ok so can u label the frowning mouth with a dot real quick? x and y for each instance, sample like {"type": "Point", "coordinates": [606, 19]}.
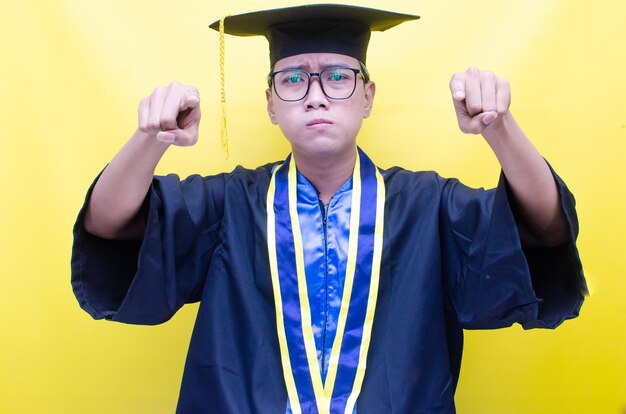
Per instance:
{"type": "Point", "coordinates": [316, 123]}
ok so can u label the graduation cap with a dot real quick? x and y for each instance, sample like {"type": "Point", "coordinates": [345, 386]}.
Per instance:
{"type": "Point", "coordinates": [314, 28]}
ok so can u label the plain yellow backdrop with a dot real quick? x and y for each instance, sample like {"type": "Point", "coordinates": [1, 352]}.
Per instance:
{"type": "Point", "coordinates": [72, 73]}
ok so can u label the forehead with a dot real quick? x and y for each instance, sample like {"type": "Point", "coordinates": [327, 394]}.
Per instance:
{"type": "Point", "coordinates": [316, 61]}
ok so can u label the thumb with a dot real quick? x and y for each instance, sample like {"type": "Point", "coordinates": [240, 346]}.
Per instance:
{"type": "Point", "coordinates": [477, 123]}
{"type": "Point", "coordinates": [489, 117]}
{"type": "Point", "coordinates": [179, 137]}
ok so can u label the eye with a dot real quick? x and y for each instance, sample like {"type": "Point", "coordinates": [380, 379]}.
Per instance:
{"type": "Point", "coordinates": [337, 75]}
{"type": "Point", "coordinates": [292, 78]}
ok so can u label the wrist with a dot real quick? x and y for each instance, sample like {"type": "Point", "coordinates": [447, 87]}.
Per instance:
{"type": "Point", "coordinates": [149, 143]}
{"type": "Point", "coordinates": [502, 131]}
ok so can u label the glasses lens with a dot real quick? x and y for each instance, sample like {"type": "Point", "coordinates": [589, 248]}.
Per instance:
{"type": "Point", "coordinates": [291, 85]}
{"type": "Point", "coordinates": [338, 83]}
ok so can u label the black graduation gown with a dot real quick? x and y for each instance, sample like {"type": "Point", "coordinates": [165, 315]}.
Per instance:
{"type": "Point", "coordinates": [452, 260]}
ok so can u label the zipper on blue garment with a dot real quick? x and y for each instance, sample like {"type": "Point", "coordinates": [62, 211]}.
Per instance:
{"type": "Point", "coordinates": [324, 209]}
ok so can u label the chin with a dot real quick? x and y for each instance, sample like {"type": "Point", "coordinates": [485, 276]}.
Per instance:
{"type": "Point", "coordinates": [321, 144]}
{"type": "Point", "coordinates": [325, 148]}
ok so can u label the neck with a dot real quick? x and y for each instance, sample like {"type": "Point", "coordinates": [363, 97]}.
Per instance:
{"type": "Point", "coordinates": [327, 173]}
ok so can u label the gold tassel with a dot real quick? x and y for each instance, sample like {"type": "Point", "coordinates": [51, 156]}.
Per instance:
{"type": "Point", "coordinates": [223, 83]}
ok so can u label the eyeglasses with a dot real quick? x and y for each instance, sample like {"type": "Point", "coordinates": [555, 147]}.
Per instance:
{"type": "Point", "coordinates": [293, 84]}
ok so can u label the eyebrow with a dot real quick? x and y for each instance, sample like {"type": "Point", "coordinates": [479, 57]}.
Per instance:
{"type": "Point", "coordinates": [327, 66]}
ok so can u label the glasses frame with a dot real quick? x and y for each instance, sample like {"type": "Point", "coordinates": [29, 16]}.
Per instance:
{"type": "Point", "coordinates": [272, 75]}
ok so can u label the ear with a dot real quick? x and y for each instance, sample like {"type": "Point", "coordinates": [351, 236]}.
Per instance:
{"type": "Point", "coordinates": [370, 91]}
{"type": "Point", "coordinates": [270, 106]}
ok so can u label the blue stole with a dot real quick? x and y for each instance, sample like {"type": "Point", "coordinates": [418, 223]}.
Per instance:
{"type": "Point", "coordinates": [305, 388]}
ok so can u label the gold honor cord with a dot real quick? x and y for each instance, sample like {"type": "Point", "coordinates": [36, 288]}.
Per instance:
{"type": "Point", "coordinates": [323, 391]}
{"type": "Point", "coordinates": [224, 131]}
{"type": "Point", "coordinates": [355, 215]}
{"type": "Point", "coordinates": [373, 293]}
{"type": "Point", "coordinates": [323, 401]}
{"type": "Point", "coordinates": [278, 302]}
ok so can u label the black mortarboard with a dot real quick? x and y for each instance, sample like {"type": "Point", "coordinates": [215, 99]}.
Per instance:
{"type": "Point", "coordinates": [314, 28]}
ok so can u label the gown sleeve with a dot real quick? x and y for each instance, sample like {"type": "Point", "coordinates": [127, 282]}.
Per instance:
{"type": "Point", "coordinates": [491, 280]}
{"type": "Point", "coordinates": [147, 281]}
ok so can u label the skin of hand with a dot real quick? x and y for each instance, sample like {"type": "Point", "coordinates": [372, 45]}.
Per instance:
{"type": "Point", "coordinates": [481, 101]}
{"type": "Point", "coordinates": [480, 97]}
{"type": "Point", "coordinates": [170, 115]}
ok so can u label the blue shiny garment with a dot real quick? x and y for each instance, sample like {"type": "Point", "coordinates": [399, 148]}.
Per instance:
{"type": "Point", "coordinates": [325, 230]}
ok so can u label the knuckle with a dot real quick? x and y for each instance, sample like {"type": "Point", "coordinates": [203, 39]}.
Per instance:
{"type": "Point", "coordinates": [487, 74]}
{"type": "Point", "coordinates": [474, 107]}
{"type": "Point", "coordinates": [490, 107]}
{"type": "Point", "coordinates": [503, 82]}
{"type": "Point", "coordinates": [154, 125]}
{"type": "Point", "coordinates": [168, 122]}
{"type": "Point", "coordinates": [156, 92]}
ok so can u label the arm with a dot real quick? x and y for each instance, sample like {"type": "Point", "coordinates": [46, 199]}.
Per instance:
{"type": "Point", "coordinates": [481, 102]}
{"type": "Point", "coordinates": [170, 115]}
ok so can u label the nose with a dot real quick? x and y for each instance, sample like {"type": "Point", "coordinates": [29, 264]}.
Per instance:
{"type": "Point", "coordinates": [316, 98]}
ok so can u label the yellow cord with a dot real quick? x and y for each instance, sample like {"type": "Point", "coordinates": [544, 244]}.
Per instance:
{"type": "Point", "coordinates": [223, 83]}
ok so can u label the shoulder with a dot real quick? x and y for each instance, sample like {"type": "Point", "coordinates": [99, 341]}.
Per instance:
{"type": "Point", "coordinates": [398, 179]}
{"type": "Point", "coordinates": [239, 174]}
{"type": "Point", "coordinates": [247, 175]}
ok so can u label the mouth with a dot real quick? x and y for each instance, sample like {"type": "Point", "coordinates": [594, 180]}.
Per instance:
{"type": "Point", "coordinates": [319, 123]}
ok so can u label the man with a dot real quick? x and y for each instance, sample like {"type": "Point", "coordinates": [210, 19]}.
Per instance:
{"type": "Point", "coordinates": [325, 284]}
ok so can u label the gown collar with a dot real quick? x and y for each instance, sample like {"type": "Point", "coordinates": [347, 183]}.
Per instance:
{"type": "Point", "coordinates": [308, 193]}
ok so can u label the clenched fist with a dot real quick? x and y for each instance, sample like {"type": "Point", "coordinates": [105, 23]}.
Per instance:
{"type": "Point", "coordinates": [171, 114]}
{"type": "Point", "coordinates": [480, 97]}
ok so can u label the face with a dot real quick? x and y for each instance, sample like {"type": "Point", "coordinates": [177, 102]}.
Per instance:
{"type": "Point", "coordinates": [317, 125]}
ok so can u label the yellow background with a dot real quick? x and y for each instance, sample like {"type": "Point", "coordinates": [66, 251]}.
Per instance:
{"type": "Point", "coordinates": [73, 71]}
